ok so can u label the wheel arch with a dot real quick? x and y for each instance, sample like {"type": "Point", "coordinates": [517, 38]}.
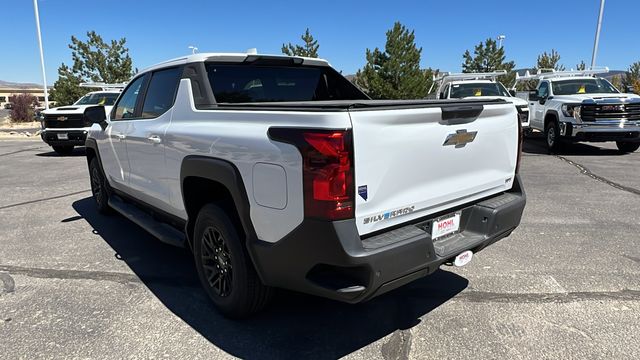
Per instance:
{"type": "Point", "coordinates": [549, 116]}
{"type": "Point", "coordinates": [205, 180]}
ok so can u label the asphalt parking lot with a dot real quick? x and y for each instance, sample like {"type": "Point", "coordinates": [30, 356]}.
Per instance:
{"type": "Point", "coordinates": [565, 285]}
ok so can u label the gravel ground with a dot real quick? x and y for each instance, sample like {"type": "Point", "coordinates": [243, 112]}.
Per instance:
{"type": "Point", "coordinates": [74, 284]}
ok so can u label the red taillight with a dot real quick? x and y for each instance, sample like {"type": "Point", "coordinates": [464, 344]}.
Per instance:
{"type": "Point", "coordinates": [327, 157]}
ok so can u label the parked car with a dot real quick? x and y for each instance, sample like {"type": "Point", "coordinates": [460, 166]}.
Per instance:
{"type": "Point", "coordinates": [573, 106]}
{"type": "Point", "coordinates": [65, 127]}
{"type": "Point", "coordinates": [479, 86]}
{"type": "Point", "coordinates": [276, 171]}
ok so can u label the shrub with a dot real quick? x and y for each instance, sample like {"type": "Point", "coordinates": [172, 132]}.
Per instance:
{"type": "Point", "coordinates": [23, 107]}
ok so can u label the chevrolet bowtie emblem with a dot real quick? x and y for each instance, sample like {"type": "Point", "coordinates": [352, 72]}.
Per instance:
{"type": "Point", "coordinates": [62, 118]}
{"type": "Point", "coordinates": [460, 138]}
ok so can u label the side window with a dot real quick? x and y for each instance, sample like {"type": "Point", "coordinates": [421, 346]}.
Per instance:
{"type": "Point", "coordinates": [126, 107]}
{"type": "Point", "coordinates": [543, 90]}
{"type": "Point", "coordinates": [161, 92]}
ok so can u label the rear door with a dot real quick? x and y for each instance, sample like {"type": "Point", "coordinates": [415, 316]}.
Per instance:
{"type": "Point", "coordinates": [146, 139]}
{"type": "Point", "coordinates": [414, 162]}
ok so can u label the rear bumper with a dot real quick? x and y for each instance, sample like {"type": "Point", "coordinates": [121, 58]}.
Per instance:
{"type": "Point", "coordinates": [76, 137]}
{"type": "Point", "coordinates": [330, 259]}
{"type": "Point", "coordinates": [613, 130]}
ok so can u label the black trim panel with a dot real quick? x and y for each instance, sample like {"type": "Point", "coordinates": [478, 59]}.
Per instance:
{"type": "Point", "coordinates": [225, 173]}
{"type": "Point", "coordinates": [328, 258]}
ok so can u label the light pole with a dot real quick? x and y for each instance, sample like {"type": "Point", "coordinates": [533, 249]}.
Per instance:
{"type": "Point", "coordinates": [193, 49]}
{"type": "Point", "coordinates": [44, 76]}
{"type": "Point", "coordinates": [500, 39]}
{"type": "Point", "coordinates": [595, 43]}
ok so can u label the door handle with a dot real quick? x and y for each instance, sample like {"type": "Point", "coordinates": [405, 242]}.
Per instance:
{"type": "Point", "coordinates": [155, 139]}
{"type": "Point", "coordinates": [121, 136]}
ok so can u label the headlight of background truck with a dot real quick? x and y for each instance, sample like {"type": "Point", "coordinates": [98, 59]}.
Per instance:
{"type": "Point", "coordinates": [571, 110]}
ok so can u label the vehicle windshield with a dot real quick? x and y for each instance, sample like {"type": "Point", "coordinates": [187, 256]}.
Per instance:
{"type": "Point", "coordinates": [106, 99]}
{"type": "Point", "coordinates": [583, 86]}
{"type": "Point", "coordinates": [244, 83]}
{"type": "Point", "coordinates": [464, 90]}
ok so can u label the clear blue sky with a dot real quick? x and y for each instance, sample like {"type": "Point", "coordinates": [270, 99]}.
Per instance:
{"type": "Point", "coordinates": [159, 30]}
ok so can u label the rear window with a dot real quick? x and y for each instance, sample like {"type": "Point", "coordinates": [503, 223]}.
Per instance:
{"type": "Point", "coordinates": [464, 90]}
{"type": "Point", "coordinates": [244, 83]}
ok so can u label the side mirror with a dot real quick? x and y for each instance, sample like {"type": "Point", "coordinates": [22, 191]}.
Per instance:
{"type": "Point", "coordinates": [95, 114]}
{"type": "Point", "coordinates": [533, 95]}
{"type": "Point", "coordinates": [512, 92]}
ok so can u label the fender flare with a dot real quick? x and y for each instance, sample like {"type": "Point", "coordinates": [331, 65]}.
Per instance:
{"type": "Point", "coordinates": [553, 113]}
{"type": "Point", "coordinates": [225, 173]}
{"type": "Point", "coordinates": [93, 145]}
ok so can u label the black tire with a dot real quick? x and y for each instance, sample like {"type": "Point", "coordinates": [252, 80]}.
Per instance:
{"type": "Point", "coordinates": [552, 136]}
{"type": "Point", "coordinates": [224, 267]}
{"type": "Point", "coordinates": [99, 187]}
{"type": "Point", "coordinates": [627, 147]}
{"type": "Point", "coordinates": [63, 150]}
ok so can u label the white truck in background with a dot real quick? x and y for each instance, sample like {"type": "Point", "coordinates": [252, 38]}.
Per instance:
{"type": "Point", "coordinates": [574, 106]}
{"type": "Point", "coordinates": [479, 86]}
{"type": "Point", "coordinates": [65, 127]}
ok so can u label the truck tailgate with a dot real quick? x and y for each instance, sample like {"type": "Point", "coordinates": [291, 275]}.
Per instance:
{"type": "Point", "coordinates": [417, 161]}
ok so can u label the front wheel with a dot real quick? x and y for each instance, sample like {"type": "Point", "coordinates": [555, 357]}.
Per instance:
{"type": "Point", "coordinates": [627, 147]}
{"type": "Point", "coordinates": [224, 267]}
{"type": "Point", "coordinates": [63, 150]}
{"type": "Point", "coordinates": [552, 136]}
{"type": "Point", "coordinates": [99, 187]}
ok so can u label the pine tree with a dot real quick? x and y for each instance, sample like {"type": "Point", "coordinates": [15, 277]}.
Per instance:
{"type": "Point", "coordinates": [488, 57]}
{"type": "Point", "coordinates": [308, 49]}
{"type": "Point", "coordinates": [93, 60]}
{"type": "Point", "coordinates": [66, 90]}
{"type": "Point", "coordinates": [395, 72]}
{"type": "Point", "coordinates": [632, 78]}
{"type": "Point", "coordinates": [549, 61]}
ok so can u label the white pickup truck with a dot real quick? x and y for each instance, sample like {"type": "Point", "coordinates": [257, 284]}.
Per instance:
{"type": "Point", "coordinates": [278, 172]}
{"type": "Point", "coordinates": [573, 106]}
{"type": "Point", "coordinates": [479, 86]}
{"type": "Point", "coordinates": [65, 127]}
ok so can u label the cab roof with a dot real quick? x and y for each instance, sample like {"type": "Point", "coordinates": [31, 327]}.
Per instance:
{"type": "Point", "coordinates": [233, 57]}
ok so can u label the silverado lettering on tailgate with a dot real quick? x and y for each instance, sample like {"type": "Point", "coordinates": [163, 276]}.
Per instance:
{"type": "Point", "coordinates": [389, 215]}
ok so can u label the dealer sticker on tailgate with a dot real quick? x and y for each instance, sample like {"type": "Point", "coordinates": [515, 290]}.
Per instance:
{"type": "Point", "coordinates": [445, 225]}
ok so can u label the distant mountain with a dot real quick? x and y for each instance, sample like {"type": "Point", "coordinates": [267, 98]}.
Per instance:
{"type": "Point", "coordinates": [9, 84]}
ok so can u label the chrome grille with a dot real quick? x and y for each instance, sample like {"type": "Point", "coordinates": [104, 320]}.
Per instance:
{"type": "Point", "coordinates": [596, 112]}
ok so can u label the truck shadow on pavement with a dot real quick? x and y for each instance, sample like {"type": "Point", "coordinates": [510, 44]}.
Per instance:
{"type": "Point", "coordinates": [535, 144]}
{"type": "Point", "coordinates": [293, 326]}
{"type": "Point", "coordinates": [77, 152]}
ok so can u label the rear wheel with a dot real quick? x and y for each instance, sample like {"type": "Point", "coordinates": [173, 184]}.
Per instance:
{"type": "Point", "coordinates": [224, 267]}
{"type": "Point", "coordinates": [627, 147]}
{"type": "Point", "coordinates": [63, 150]}
{"type": "Point", "coordinates": [99, 187]}
{"type": "Point", "coordinates": [552, 136]}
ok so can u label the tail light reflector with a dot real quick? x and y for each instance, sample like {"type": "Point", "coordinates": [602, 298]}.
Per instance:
{"type": "Point", "coordinates": [327, 170]}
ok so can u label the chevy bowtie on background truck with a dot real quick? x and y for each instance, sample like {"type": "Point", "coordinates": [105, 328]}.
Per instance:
{"type": "Point", "coordinates": [572, 106]}
{"type": "Point", "coordinates": [65, 127]}
{"type": "Point", "coordinates": [479, 86]}
{"type": "Point", "coordinates": [278, 172]}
